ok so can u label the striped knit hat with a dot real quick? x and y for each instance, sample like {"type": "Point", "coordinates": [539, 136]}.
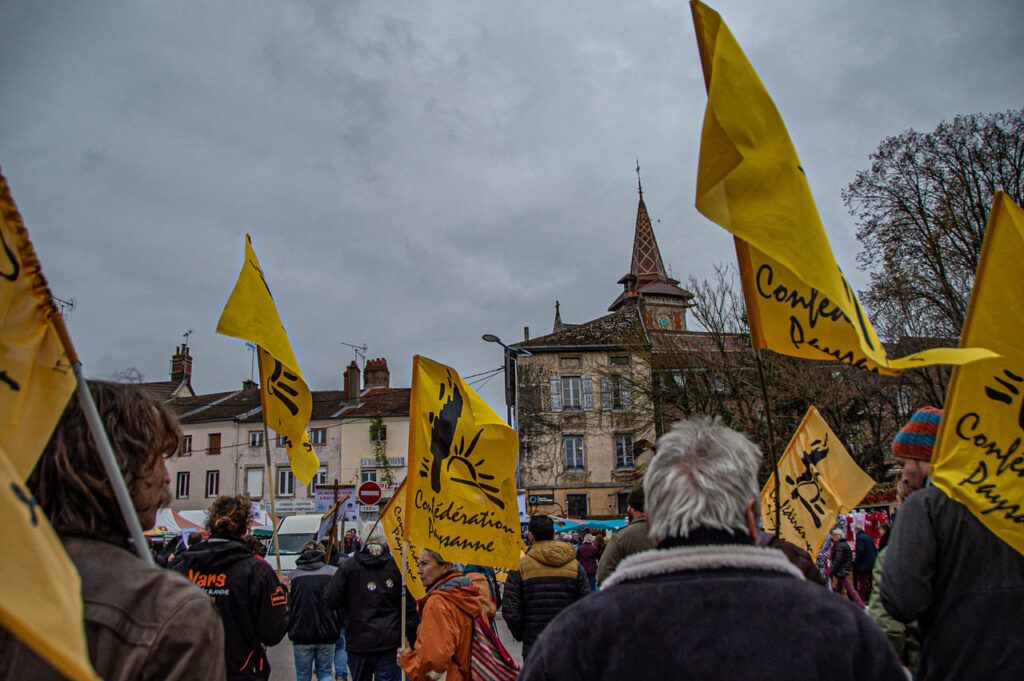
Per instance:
{"type": "Point", "coordinates": [916, 439]}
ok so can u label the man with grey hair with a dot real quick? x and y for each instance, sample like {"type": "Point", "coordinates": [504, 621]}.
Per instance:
{"type": "Point", "coordinates": [708, 603]}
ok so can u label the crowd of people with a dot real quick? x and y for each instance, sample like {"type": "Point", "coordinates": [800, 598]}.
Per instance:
{"type": "Point", "coordinates": [692, 586]}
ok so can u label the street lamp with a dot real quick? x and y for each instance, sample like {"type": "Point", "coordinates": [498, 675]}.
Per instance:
{"type": "Point", "coordinates": [511, 383]}
{"type": "Point", "coordinates": [511, 377]}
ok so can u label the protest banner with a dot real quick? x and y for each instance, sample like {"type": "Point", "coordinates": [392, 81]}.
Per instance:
{"type": "Point", "coordinates": [819, 480]}
{"type": "Point", "coordinates": [460, 496]}
{"type": "Point", "coordinates": [978, 458]}
{"type": "Point", "coordinates": [392, 519]}
{"type": "Point", "coordinates": [41, 603]}
{"type": "Point", "coordinates": [251, 314]}
{"type": "Point", "coordinates": [751, 182]}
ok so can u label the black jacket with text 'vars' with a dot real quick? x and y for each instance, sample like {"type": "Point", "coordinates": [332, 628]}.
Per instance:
{"type": "Point", "coordinates": [252, 602]}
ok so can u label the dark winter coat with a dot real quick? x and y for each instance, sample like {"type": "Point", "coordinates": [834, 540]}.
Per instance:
{"type": "Point", "coordinates": [367, 593]}
{"type": "Point", "coordinates": [310, 621]}
{"type": "Point", "coordinates": [549, 579]}
{"type": "Point", "coordinates": [742, 613]}
{"type": "Point", "coordinates": [867, 552]}
{"type": "Point", "coordinates": [842, 558]}
{"type": "Point", "coordinates": [963, 585]}
{"type": "Point", "coordinates": [587, 555]}
{"type": "Point", "coordinates": [252, 602]}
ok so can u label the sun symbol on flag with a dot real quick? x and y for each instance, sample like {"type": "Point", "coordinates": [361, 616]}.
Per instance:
{"type": "Point", "coordinates": [443, 448]}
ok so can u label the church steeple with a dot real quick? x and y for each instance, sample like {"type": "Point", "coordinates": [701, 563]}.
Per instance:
{"type": "Point", "coordinates": [647, 277]}
{"type": "Point", "coordinates": [558, 326]}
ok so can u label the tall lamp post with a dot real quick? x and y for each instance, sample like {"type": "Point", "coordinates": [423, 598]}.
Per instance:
{"type": "Point", "coordinates": [511, 383]}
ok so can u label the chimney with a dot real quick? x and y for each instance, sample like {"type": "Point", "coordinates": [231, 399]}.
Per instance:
{"type": "Point", "coordinates": [181, 365]}
{"type": "Point", "coordinates": [351, 386]}
{"type": "Point", "coordinates": [526, 333]}
{"type": "Point", "coordinates": [250, 385]}
{"type": "Point", "coordinates": [377, 374]}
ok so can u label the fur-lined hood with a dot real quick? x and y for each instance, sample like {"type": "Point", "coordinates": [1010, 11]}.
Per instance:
{"type": "Point", "coordinates": [711, 557]}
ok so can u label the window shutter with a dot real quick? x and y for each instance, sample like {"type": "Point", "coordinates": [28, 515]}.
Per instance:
{"type": "Point", "coordinates": [606, 393]}
{"type": "Point", "coordinates": [588, 393]}
{"type": "Point", "coordinates": [556, 393]}
{"type": "Point", "coordinates": [627, 394]}
{"type": "Point", "coordinates": [583, 451]}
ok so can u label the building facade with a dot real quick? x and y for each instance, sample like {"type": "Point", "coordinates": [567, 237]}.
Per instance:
{"type": "Point", "coordinates": [584, 407]}
{"type": "Point", "coordinates": [359, 433]}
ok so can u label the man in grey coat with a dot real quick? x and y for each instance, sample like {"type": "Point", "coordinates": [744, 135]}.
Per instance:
{"type": "Point", "coordinates": [963, 585]}
{"type": "Point", "coordinates": [708, 603]}
{"type": "Point", "coordinates": [629, 540]}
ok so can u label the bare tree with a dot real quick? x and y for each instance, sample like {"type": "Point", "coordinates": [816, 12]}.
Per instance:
{"type": "Point", "coordinates": [922, 208]}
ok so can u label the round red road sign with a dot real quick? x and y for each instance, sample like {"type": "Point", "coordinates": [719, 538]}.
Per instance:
{"type": "Point", "coordinates": [369, 493]}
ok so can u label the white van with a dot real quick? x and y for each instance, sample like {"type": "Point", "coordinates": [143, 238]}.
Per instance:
{"type": "Point", "coordinates": [292, 533]}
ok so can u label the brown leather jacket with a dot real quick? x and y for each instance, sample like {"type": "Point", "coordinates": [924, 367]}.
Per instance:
{"type": "Point", "coordinates": [141, 622]}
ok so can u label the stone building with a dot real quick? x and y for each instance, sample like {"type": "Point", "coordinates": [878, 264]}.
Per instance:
{"type": "Point", "coordinates": [585, 410]}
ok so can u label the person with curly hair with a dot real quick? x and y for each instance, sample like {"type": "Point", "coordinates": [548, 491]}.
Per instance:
{"type": "Point", "coordinates": [252, 601]}
{"type": "Point", "coordinates": [132, 610]}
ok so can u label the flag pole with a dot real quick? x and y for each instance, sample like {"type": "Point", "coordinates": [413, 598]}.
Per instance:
{"type": "Point", "coordinates": [106, 452]}
{"type": "Point", "coordinates": [771, 440]}
{"type": "Point", "coordinates": [405, 568]}
{"type": "Point", "coordinates": [269, 472]}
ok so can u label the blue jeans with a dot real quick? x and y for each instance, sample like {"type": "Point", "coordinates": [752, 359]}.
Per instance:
{"type": "Point", "coordinates": [379, 666]}
{"type": "Point", "coordinates": [340, 658]}
{"type": "Point", "coordinates": [306, 654]}
{"type": "Point", "coordinates": [593, 582]}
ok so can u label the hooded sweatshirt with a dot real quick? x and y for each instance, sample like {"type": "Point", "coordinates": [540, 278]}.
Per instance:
{"type": "Point", "coordinates": [446, 631]}
{"type": "Point", "coordinates": [549, 580]}
{"type": "Point", "coordinates": [310, 621]}
{"type": "Point", "coordinates": [252, 602]}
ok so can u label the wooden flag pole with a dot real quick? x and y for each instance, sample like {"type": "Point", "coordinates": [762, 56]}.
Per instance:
{"type": "Point", "coordinates": [269, 475]}
{"type": "Point", "coordinates": [106, 452]}
{"type": "Point", "coordinates": [405, 568]}
{"type": "Point", "coordinates": [771, 441]}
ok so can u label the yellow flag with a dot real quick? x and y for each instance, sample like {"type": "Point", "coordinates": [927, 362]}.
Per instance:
{"type": "Point", "coordinates": [392, 519]}
{"type": "Point", "coordinates": [36, 380]}
{"type": "Point", "coordinates": [42, 600]}
{"type": "Point", "coordinates": [979, 458]}
{"type": "Point", "coordinates": [750, 181]}
{"type": "Point", "coordinates": [250, 314]}
{"type": "Point", "coordinates": [818, 480]}
{"type": "Point", "coordinates": [460, 492]}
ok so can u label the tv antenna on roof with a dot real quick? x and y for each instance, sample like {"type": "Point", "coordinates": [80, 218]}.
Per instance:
{"type": "Point", "coordinates": [186, 335]}
{"type": "Point", "coordinates": [360, 351]}
{"type": "Point", "coordinates": [64, 306]}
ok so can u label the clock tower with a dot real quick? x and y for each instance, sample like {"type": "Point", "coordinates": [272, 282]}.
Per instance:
{"type": "Point", "coordinates": [647, 285]}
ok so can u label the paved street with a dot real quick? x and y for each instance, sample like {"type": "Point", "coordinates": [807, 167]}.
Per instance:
{"type": "Point", "coordinates": [283, 666]}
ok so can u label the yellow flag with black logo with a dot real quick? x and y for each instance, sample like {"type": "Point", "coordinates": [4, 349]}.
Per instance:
{"type": "Point", "coordinates": [250, 314]}
{"type": "Point", "coordinates": [818, 481]}
{"type": "Point", "coordinates": [392, 519]}
{"type": "Point", "coordinates": [42, 596]}
{"type": "Point", "coordinates": [36, 379]}
{"type": "Point", "coordinates": [460, 497]}
{"type": "Point", "coordinates": [750, 181]}
{"type": "Point", "coordinates": [979, 457]}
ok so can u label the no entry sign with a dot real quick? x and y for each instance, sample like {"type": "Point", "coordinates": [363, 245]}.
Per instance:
{"type": "Point", "coordinates": [369, 493]}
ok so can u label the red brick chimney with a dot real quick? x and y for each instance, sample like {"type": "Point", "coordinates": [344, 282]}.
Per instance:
{"type": "Point", "coordinates": [377, 374]}
{"type": "Point", "coordinates": [351, 386]}
{"type": "Point", "coordinates": [181, 365]}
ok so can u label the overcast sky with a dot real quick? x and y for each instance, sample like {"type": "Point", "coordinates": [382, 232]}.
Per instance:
{"type": "Point", "coordinates": [417, 174]}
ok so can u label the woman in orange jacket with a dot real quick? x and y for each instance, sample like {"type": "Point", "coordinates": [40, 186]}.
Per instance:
{"type": "Point", "coordinates": [446, 623]}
